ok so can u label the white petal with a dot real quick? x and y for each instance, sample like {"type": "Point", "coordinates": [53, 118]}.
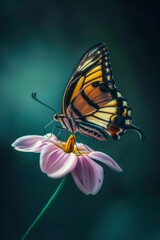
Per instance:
{"type": "Point", "coordinates": [102, 157]}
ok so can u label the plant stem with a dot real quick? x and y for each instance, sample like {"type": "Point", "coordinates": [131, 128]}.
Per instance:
{"type": "Point", "coordinates": [44, 210]}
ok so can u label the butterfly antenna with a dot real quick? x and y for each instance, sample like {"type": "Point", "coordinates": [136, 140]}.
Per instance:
{"type": "Point", "coordinates": [36, 99]}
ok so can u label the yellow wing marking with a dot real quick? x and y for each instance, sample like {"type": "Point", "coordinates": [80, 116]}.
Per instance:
{"type": "Point", "coordinates": [125, 104]}
{"type": "Point", "coordinates": [97, 75]}
{"type": "Point", "coordinates": [129, 113]}
{"type": "Point", "coordinates": [112, 110]}
{"type": "Point", "coordinates": [77, 88]}
{"type": "Point", "coordinates": [87, 63]}
{"type": "Point", "coordinates": [103, 116]}
{"type": "Point", "coordinates": [124, 114]}
{"type": "Point", "coordinates": [98, 122]}
{"type": "Point", "coordinates": [128, 122]}
{"type": "Point", "coordinates": [112, 103]}
{"type": "Point", "coordinates": [94, 70]}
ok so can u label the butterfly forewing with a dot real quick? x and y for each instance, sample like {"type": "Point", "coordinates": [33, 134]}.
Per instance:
{"type": "Point", "coordinates": [93, 66]}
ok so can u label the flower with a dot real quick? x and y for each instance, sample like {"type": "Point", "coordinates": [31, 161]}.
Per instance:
{"type": "Point", "coordinates": [58, 158]}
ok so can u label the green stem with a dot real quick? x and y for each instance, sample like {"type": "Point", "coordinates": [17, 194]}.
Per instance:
{"type": "Point", "coordinates": [44, 210]}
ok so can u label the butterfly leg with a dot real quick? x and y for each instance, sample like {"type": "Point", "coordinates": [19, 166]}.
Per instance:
{"type": "Point", "coordinates": [47, 126]}
{"type": "Point", "coordinates": [83, 143]}
{"type": "Point", "coordinates": [60, 130]}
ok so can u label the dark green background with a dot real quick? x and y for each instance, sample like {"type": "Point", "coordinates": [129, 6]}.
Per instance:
{"type": "Point", "coordinates": [40, 43]}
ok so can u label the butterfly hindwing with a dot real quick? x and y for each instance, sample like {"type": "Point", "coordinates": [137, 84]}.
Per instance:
{"type": "Point", "coordinates": [102, 107]}
{"type": "Point", "coordinates": [91, 130]}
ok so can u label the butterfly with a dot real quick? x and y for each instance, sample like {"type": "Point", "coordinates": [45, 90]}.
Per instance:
{"type": "Point", "coordinates": [91, 103]}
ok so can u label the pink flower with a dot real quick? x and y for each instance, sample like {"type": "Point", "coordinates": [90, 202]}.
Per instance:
{"type": "Point", "coordinates": [60, 158]}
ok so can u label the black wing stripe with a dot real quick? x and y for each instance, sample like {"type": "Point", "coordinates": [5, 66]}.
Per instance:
{"type": "Point", "coordinates": [70, 124]}
{"type": "Point", "coordinates": [100, 118]}
{"type": "Point", "coordinates": [64, 123]}
{"type": "Point", "coordinates": [102, 57]}
{"type": "Point", "coordinates": [76, 111]}
{"type": "Point", "coordinates": [89, 101]}
{"type": "Point", "coordinates": [107, 112]}
{"type": "Point", "coordinates": [89, 68]}
{"type": "Point", "coordinates": [94, 71]}
{"type": "Point", "coordinates": [99, 62]}
{"type": "Point", "coordinates": [91, 81]}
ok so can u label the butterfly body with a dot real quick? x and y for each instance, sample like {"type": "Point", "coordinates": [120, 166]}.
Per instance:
{"type": "Point", "coordinates": [91, 103]}
{"type": "Point", "coordinates": [67, 123]}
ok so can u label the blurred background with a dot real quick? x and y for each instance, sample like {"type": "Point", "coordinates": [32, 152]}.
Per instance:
{"type": "Point", "coordinates": [40, 43]}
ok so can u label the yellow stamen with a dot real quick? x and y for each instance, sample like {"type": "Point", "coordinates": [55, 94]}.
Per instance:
{"type": "Point", "coordinates": [69, 146]}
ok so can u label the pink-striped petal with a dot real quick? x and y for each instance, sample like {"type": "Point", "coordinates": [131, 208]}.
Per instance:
{"type": "Point", "coordinates": [55, 162]}
{"type": "Point", "coordinates": [30, 143]}
{"type": "Point", "coordinates": [102, 157]}
{"type": "Point", "coordinates": [88, 175]}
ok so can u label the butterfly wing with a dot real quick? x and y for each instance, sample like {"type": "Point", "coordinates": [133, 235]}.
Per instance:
{"type": "Point", "coordinates": [91, 99]}
{"type": "Point", "coordinates": [93, 66]}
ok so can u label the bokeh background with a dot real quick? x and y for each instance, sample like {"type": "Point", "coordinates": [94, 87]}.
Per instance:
{"type": "Point", "coordinates": [40, 42]}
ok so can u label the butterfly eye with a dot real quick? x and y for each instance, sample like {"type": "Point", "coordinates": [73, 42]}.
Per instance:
{"type": "Point", "coordinates": [55, 117]}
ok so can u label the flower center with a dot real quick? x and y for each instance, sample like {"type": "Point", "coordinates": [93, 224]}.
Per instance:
{"type": "Point", "coordinates": [69, 145]}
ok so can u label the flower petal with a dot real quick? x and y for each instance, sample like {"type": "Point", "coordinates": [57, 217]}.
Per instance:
{"type": "Point", "coordinates": [53, 139]}
{"type": "Point", "coordinates": [88, 175]}
{"type": "Point", "coordinates": [102, 157]}
{"type": "Point", "coordinates": [55, 162]}
{"type": "Point", "coordinates": [82, 148]}
{"type": "Point", "coordinates": [30, 143]}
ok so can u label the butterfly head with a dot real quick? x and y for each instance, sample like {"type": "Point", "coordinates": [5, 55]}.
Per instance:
{"type": "Point", "coordinates": [67, 123]}
{"type": "Point", "coordinates": [55, 117]}
{"type": "Point", "coordinates": [58, 117]}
